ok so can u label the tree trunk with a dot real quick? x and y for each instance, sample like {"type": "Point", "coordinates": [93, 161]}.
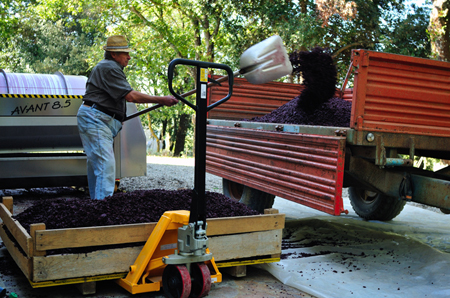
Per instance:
{"type": "Point", "coordinates": [163, 133]}
{"type": "Point", "coordinates": [152, 132]}
{"type": "Point", "coordinates": [439, 30]}
{"type": "Point", "coordinates": [183, 126]}
{"type": "Point", "coordinates": [303, 6]}
{"type": "Point", "coordinates": [173, 134]}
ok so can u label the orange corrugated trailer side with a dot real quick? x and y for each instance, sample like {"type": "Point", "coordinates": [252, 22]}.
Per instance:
{"type": "Point", "coordinates": [307, 169]}
{"type": "Point", "coordinates": [400, 94]}
{"type": "Point", "coordinates": [250, 100]}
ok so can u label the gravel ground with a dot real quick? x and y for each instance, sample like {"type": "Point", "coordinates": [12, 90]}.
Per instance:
{"type": "Point", "coordinates": [161, 173]}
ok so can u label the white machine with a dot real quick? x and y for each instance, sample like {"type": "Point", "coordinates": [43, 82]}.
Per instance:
{"type": "Point", "coordinates": [39, 141]}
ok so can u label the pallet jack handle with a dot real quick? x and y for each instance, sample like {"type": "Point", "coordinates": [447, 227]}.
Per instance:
{"type": "Point", "coordinates": [198, 205]}
{"type": "Point", "coordinates": [193, 91]}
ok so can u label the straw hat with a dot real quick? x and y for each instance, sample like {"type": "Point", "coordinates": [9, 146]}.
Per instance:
{"type": "Point", "coordinates": [117, 43]}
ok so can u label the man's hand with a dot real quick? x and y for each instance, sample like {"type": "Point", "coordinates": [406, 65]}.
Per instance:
{"type": "Point", "coordinates": [168, 100]}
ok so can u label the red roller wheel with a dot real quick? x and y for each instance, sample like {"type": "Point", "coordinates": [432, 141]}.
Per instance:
{"type": "Point", "coordinates": [176, 281]}
{"type": "Point", "coordinates": [201, 280]}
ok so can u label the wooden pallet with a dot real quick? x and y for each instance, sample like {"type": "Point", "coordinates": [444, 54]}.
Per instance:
{"type": "Point", "coordinates": [230, 240]}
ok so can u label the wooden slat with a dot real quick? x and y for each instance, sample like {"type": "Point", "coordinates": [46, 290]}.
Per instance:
{"type": "Point", "coordinates": [15, 228]}
{"type": "Point", "coordinates": [76, 280]}
{"type": "Point", "coordinates": [245, 245]}
{"type": "Point", "coordinates": [249, 261]}
{"type": "Point", "coordinates": [33, 229]}
{"type": "Point", "coordinates": [8, 202]}
{"type": "Point", "coordinates": [93, 236]}
{"type": "Point", "coordinates": [245, 224]}
{"type": "Point", "coordinates": [78, 265]}
{"type": "Point", "coordinates": [108, 235]}
{"type": "Point", "coordinates": [22, 261]}
{"type": "Point", "coordinates": [271, 211]}
{"type": "Point", "coordinates": [235, 271]}
{"type": "Point", "coordinates": [112, 261]}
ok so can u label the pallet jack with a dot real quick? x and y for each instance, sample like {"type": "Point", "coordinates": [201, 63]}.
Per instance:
{"type": "Point", "coordinates": [186, 272]}
{"type": "Point", "coordinates": [176, 255]}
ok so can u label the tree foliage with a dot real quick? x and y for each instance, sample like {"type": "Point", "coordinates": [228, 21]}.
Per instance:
{"type": "Point", "coordinates": [10, 19]}
{"type": "Point", "coordinates": [41, 45]}
{"type": "Point", "coordinates": [328, 8]}
{"type": "Point", "coordinates": [49, 35]}
{"type": "Point", "coordinates": [405, 35]}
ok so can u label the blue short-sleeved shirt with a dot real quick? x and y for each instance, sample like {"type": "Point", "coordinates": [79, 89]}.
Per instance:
{"type": "Point", "coordinates": [107, 86]}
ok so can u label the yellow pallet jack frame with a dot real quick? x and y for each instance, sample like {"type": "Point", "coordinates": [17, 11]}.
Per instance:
{"type": "Point", "coordinates": [145, 274]}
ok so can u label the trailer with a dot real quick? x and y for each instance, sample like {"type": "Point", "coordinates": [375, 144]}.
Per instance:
{"type": "Point", "coordinates": [40, 145]}
{"type": "Point", "coordinates": [400, 109]}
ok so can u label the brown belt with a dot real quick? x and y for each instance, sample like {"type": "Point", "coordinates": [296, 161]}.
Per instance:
{"type": "Point", "coordinates": [103, 110]}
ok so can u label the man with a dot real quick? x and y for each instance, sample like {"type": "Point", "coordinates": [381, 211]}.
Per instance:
{"type": "Point", "coordinates": [103, 110]}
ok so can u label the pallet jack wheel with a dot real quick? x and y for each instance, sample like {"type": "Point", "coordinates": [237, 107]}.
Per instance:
{"type": "Point", "coordinates": [200, 279]}
{"type": "Point", "coordinates": [176, 281]}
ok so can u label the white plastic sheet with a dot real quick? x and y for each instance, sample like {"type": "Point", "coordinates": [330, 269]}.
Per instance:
{"type": "Point", "coordinates": [346, 256]}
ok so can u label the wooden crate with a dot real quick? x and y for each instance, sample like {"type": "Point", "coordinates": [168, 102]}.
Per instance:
{"type": "Point", "coordinates": [230, 240]}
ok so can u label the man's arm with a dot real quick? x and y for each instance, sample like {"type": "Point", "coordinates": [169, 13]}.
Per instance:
{"type": "Point", "coordinates": [139, 97]}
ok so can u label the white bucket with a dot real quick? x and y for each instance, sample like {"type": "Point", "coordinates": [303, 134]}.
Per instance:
{"type": "Point", "coordinates": [265, 61]}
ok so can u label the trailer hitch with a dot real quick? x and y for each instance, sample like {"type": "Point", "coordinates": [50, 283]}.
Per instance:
{"type": "Point", "coordinates": [381, 158]}
{"type": "Point", "coordinates": [406, 187]}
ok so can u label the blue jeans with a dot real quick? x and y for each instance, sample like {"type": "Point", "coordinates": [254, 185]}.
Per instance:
{"type": "Point", "coordinates": [97, 132]}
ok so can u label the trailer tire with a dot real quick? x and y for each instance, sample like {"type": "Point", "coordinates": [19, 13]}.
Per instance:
{"type": "Point", "coordinates": [374, 206]}
{"type": "Point", "coordinates": [445, 211]}
{"type": "Point", "coordinates": [255, 199]}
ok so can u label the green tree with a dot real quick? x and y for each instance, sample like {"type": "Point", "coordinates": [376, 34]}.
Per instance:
{"type": "Point", "coordinates": [208, 30]}
{"type": "Point", "coordinates": [47, 46]}
{"type": "Point", "coordinates": [407, 34]}
{"type": "Point", "coordinates": [380, 25]}
{"type": "Point", "coordinates": [439, 30]}
{"type": "Point", "coordinates": [336, 25]}
{"type": "Point", "coordinates": [10, 19]}
{"type": "Point", "coordinates": [160, 31]}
